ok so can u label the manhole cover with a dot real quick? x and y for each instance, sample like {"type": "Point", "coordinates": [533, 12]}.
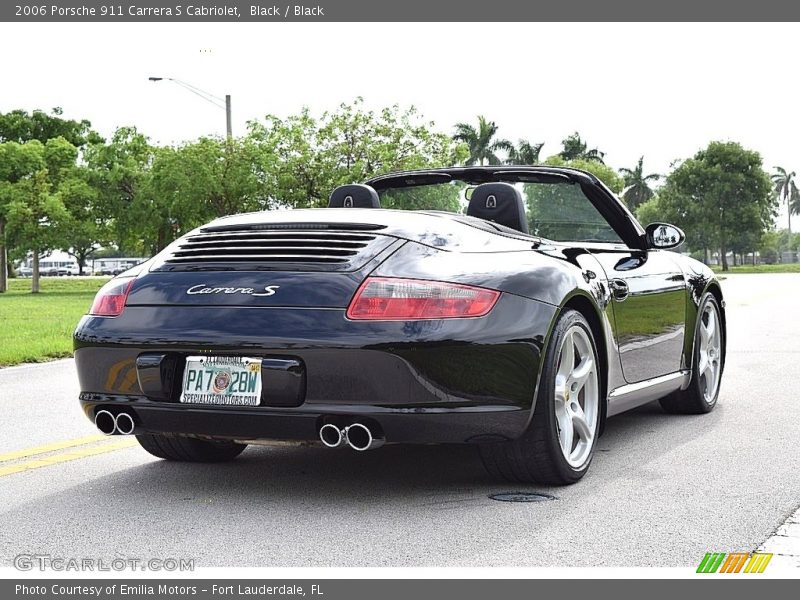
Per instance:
{"type": "Point", "coordinates": [521, 497]}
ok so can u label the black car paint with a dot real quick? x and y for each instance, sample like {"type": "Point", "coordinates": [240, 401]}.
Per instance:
{"type": "Point", "coordinates": [460, 380]}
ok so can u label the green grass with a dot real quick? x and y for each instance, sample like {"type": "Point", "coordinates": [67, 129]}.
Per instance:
{"type": "Point", "coordinates": [37, 327]}
{"type": "Point", "coordinates": [782, 268]}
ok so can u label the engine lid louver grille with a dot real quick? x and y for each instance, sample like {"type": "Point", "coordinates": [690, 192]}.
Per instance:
{"type": "Point", "coordinates": [275, 249]}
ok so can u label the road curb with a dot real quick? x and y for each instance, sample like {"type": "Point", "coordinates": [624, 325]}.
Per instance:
{"type": "Point", "coordinates": [784, 543]}
{"type": "Point", "coordinates": [24, 366]}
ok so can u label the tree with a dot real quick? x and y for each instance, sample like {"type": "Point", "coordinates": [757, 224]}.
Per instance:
{"type": "Point", "coordinates": [82, 224]}
{"type": "Point", "coordinates": [786, 188]}
{"type": "Point", "coordinates": [301, 159]}
{"type": "Point", "coordinates": [576, 148]}
{"type": "Point", "coordinates": [119, 170]}
{"type": "Point", "coordinates": [524, 153]}
{"type": "Point", "coordinates": [191, 184]}
{"type": "Point", "coordinates": [85, 225]}
{"type": "Point", "coordinates": [652, 211]}
{"type": "Point", "coordinates": [21, 126]}
{"type": "Point", "coordinates": [600, 170]}
{"type": "Point", "coordinates": [34, 212]}
{"type": "Point", "coordinates": [637, 189]}
{"type": "Point", "coordinates": [561, 210]}
{"type": "Point", "coordinates": [18, 162]}
{"type": "Point", "coordinates": [769, 247]}
{"type": "Point", "coordinates": [720, 195]}
{"type": "Point", "coordinates": [481, 142]}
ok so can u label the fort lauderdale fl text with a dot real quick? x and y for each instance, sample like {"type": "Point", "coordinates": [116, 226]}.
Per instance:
{"type": "Point", "coordinates": [285, 11]}
{"type": "Point", "coordinates": [144, 589]}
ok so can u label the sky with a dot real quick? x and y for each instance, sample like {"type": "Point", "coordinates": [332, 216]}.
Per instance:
{"type": "Point", "coordinates": [659, 90]}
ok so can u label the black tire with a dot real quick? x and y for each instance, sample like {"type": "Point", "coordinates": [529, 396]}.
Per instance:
{"type": "Point", "coordinates": [536, 456]}
{"type": "Point", "coordinates": [188, 449]}
{"type": "Point", "coordinates": [692, 400]}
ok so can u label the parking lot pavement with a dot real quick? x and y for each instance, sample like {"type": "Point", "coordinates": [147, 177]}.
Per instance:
{"type": "Point", "coordinates": [663, 490]}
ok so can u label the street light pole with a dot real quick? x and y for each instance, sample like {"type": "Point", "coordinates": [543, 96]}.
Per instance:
{"type": "Point", "coordinates": [229, 129]}
{"type": "Point", "coordinates": [208, 97]}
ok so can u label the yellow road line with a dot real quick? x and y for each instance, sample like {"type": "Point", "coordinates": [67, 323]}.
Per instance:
{"type": "Point", "coordinates": [47, 461]}
{"type": "Point", "coordinates": [17, 454]}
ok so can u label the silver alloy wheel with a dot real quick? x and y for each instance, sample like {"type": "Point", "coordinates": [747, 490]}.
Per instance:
{"type": "Point", "coordinates": [709, 364]}
{"type": "Point", "coordinates": [576, 396]}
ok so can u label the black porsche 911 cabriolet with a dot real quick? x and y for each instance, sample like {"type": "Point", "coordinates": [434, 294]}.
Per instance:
{"type": "Point", "coordinates": [519, 326]}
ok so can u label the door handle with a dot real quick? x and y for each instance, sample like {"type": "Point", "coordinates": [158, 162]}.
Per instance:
{"type": "Point", "coordinates": [619, 288]}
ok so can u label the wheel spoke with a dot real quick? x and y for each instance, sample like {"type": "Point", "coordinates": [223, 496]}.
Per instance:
{"type": "Point", "coordinates": [566, 430]}
{"type": "Point", "coordinates": [704, 338]}
{"type": "Point", "coordinates": [581, 373]}
{"type": "Point", "coordinates": [581, 426]}
{"type": "Point", "coordinates": [712, 369]}
{"type": "Point", "coordinates": [567, 356]}
{"type": "Point", "coordinates": [703, 363]}
{"type": "Point", "coordinates": [711, 326]}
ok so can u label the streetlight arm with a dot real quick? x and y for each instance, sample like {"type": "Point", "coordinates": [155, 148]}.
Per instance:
{"type": "Point", "coordinates": [207, 96]}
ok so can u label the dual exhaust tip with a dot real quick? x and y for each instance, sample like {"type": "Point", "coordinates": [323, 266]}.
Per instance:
{"type": "Point", "coordinates": [357, 435]}
{"type": "Point", "coordinates": [111, 424]}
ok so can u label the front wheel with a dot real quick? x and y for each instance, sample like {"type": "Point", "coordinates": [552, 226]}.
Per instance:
{"type": "Point", "coordinates": [188, 449]}
{"type": "Point", "coordinates": [707, 362]}
{"type": "Point", "coordinates": [559, 444]}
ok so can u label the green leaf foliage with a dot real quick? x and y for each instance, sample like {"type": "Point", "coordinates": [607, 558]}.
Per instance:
{"type": "Point", "coordinates": [721, 198]}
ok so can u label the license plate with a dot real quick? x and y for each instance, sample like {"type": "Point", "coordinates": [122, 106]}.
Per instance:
{"type": "Point", "coordinates": [224, 380]}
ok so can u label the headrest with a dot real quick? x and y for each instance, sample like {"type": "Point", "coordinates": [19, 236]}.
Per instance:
{"type": "Point", "coordinates": [354, 196]}
{"type": "Point", "coordinates": [499, 202]}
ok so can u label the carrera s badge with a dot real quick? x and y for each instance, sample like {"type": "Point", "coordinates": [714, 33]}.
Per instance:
{"type": "Point", "coordinates": [203, 289]}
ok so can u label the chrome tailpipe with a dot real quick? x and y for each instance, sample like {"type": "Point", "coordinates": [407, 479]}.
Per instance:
{"type": "Point", "coordinates": [360, 437]}
{"type": "Point", "coordinates": [125, 424]}
{"type": "Point", "coordinates": [332, 436]}
{"type": "Point", "coordinates": [105, 422]}
{"type": "Point", "coordinates": [356, 435]}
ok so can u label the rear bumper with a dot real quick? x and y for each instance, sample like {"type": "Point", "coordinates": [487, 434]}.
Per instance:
{"type": "Point", "coordinates": [450, 381]}
{"type": "Point", "coordinates": [490, 423]}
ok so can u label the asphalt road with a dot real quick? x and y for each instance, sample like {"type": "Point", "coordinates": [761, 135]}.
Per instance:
{"type": "Point", "coordinates": [662, 491]}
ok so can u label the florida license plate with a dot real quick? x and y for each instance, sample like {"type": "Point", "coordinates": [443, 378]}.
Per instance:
{"type": "Point", "coordinates": [224, 380]}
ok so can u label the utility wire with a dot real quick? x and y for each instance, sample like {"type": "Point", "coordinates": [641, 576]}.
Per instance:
{"type": "Point", "coordinates": [215, 100]}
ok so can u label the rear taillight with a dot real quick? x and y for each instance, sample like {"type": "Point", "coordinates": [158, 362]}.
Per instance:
{"type": "Point", "coordinates": [110, 300]}
{"type": "Point", "coordinates": [390, 299]}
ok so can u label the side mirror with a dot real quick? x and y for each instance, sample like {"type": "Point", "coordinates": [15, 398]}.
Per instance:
{"type": "Point", "coordinates": [663, 236]}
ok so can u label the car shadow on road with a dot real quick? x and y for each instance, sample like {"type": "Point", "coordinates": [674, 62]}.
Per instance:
{"type": "Point", "coordinates": [328, 494]}
{"type": "Point", "coordinates": [630, 442]}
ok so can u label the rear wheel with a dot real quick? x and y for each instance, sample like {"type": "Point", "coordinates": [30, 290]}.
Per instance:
{"type": "Point", "coordinates": [559, 444]}
{"type": "Point", "coordinates": [707, 363]}
{"type": "Point", "coordinates": [189, 449]}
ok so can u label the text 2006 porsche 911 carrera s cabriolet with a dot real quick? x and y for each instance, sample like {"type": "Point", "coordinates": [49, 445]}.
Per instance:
{"type": "Point", "coordinates": [519, 326]}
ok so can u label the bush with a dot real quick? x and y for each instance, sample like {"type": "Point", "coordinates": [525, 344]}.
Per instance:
{"type": "Point", "coordinates": [769, 256]}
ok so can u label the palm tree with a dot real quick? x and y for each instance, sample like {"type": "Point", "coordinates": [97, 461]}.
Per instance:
{"type": "Point", "coordinates": [481, 142]}
{"type": "Point", "coordinates": [786, 188]}
{"type": "Point", "coordinates": [637, 191]}
{"type": "Point", "coordinates": [794, 200]}
{"type": "Point", "coordinates": [575, 147]}
{"type": "Point", "coordinates": [524, 153]}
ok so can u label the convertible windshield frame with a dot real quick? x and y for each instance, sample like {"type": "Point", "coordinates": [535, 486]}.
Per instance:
{"type": "Point", "coordinates": [611, 208]}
